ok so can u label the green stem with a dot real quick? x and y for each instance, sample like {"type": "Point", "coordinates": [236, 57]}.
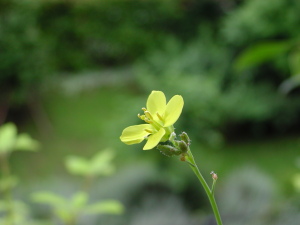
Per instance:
{"type": "Point", "coordinates": [210, 193]}
{"type": "Point", "coordinates": [7, 192]}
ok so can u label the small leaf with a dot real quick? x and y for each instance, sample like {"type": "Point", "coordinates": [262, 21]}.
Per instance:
{"type": "Point", "coordinates": [294, 62]}
{"type": "Point", "coordinates": [49, 198]}
{"type": "Point", "coordinates": [26, 143]}
{"type": "Point", "coordinates": [77, 165]}
{"type": "Point", "coordinates": [8, 134]}
{"type": "Point", "coordinates": [260, 53]}
{"type": "Point", "coordinates": [79, 200]}
{"type": "Point", "coordinates": [101, 163]}
{"type": "Point", "coordinates": [8, 183]}
{"type": "Point", "coordinates": [64, 214]}
{"type": "Point", "coordinates": [105, 207]}
{"type": "Point", "coordinates": [296, 182]}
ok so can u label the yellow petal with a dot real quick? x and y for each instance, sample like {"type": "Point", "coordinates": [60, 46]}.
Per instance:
{"type": "Point", "coordinates": [173, 110]}
{"type": "Point", "coordinates": [154, 139]}
{"type": "Point", "coordinates": [135, 134]}
{"type": "Point", "coordinates": [156, 103]}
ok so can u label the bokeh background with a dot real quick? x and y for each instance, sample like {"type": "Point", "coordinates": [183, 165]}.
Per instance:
{"type": "Point", "coordinates": [75, 73]}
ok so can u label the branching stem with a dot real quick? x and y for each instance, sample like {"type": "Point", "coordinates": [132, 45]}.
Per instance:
{"type": "Point", "coordinates": [210, 192]}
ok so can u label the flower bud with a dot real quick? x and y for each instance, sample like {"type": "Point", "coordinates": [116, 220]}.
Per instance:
{"type": "Point", "coordinates": [184, 137]}
{"type": "Point", "coordinates": [214, 175]}
{"type": "Point", "coordinates": [168, 150]}
{"type": "Point", "coordinates": [183, 146]}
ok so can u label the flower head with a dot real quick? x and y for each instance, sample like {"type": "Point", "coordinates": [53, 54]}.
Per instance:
{"type": "Point", "coordinates": [159, 117]}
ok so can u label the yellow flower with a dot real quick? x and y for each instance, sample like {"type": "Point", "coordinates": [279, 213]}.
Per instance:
{"type": "Point", "coordinates": [159, 117]}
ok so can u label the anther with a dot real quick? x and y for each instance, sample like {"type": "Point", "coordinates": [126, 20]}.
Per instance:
{"type": "Point", "coordinates": [159, 117]}
{"type": "Point", "coordinates": [148, 115]}
{"type": "Point", "coordinates": [149, 131]}
{"type": "Point", "coordinates": [142, 117]}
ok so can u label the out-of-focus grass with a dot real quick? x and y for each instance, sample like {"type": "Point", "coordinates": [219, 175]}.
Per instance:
{"type": "Point", "coordinates": [93, 120]}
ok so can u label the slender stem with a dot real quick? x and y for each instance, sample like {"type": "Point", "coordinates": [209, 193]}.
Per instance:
{"type": "Point", "coordinates": [210, 194]}
{"type": "Point", "coordinates": [213, 187]}
{"type": "Point", "coordinates": [8, 191]}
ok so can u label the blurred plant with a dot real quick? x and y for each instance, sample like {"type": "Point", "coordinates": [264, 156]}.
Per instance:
{"type": "Point", "coordinates": [70, 210]}
{"type": "Point", "coordinates": [99, 165]}
{"type": "Point", "coordinates": [258, 194]}
{"type": "Point", "coordinates": [296, 177]}
{"type": "Point", "coordinates": [256, 20]}
{"type": "Point", "coordinates": [10, 141]}
{"type": "Point", "coordinates": [160, 133]}
{"type": "Point", "coordinates": [250, 196]}
{"type": "Point", "coordinates": [21, 44]}
{"type": "Point", "coordinates": [268, 51]}
{"type": "Point", "coordinates": [214, 99]}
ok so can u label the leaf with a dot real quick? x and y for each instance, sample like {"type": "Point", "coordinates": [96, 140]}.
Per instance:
{"type": "Point", "coordinates": [105, 207]}
{"type": "Point", "coordinates": [49, 198]}
{"type": "Point", "coordinates": [296, 182]}
{"type": "Point", "coordinates": [79, 200]}
{"type": "Point", "coordinates": [8, 183]}
{"type": "Point", "coordinates": [294, 63]}
{"type": "Point", "coordinates": [8, 134]}
{"type": "Point", "coordinates": [26, 143]}
{"type": "Point", "coordinates": [101, 163]}
{"type": "Point", "coordinates": [77, 165]}
{"type": "Point", "coordinates": [260, 53]}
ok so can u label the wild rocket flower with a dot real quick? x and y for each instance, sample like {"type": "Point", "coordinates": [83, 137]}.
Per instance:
{"type": "Point", "coordinates": [159, 117]}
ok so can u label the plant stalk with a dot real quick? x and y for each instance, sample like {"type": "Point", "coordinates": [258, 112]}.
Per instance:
{"type": "Point", "coordinates": [209, 193]}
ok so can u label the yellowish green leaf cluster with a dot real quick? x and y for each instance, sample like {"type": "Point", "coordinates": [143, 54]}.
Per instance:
{"type": "Point", "coordinates": [11, 141]}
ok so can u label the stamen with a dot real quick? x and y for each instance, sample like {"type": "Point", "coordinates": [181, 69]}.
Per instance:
{"type": "Point", "coordinates": [160, 117]}
{"type": "Point", "coordinates": [147, 120]}
{"type": "Point", "coordinates": [149, 131]}
{"type": "Point", "coordinates": [144, 109]}
{"type": "Point", "coordinates": [148, 115]}
{"type": "Point", "coordinates": [142, 117]}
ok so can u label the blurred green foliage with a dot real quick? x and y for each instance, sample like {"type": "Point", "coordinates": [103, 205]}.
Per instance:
{"type": "Point", "coordinates": [41, 38]}
{"type": "Point", "coordinates": [168, 41]}
{"type": "Point", "coordinates": [186, 47]}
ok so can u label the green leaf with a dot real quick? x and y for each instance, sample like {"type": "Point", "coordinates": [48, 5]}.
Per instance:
{"type": "Point", "coordinates": [101, 163]}
{"type": "Point", "coordinates": [26, 143]}
{"type": "Point", "coordinates": [79, 200]}
{"type": "Point", "coordinates": [64, 214]}
{"type": "Point", "coordinates": [261, 53]}
{"type": "Point", "coordinates": [8, 183]}
{"type": "Point", "coordinates": [294, 62]}
{"type": "Point", "coordinates": [50, 199]}
{"type": "Point", "coordinates": [77, 165]}
{"type": "Point", "coordinates": [8, 135]}
{"type": "Point", "coordinates": [296, 182]}
{"type": "Point", "coordinates": [105, 207]}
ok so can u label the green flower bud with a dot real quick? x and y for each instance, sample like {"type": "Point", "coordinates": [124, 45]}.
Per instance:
{"type": "Point", "coordinates": [183, 146]}
{"type": "Point", "coordinates": [184, 137]}
{"type": "Point", "coordinates": [168, 150]}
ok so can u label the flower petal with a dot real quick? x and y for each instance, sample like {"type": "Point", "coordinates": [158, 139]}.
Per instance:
{"type": "Point", "coordinates": [135, 134]}
{"type": "Point", "coordinates": [173, 110]}
{"type": "Point", "coordinates": [156, 103]}
{"type": "Point", "coordinates": [154, 139]}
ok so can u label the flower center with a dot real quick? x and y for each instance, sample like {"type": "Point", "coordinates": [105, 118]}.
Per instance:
{"type": "Point", "coordinates": [148, 118]}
